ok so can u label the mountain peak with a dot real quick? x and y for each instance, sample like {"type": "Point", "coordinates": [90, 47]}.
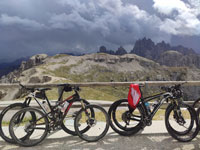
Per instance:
{"type": "Point", "coordinates": [120, 51]}
{"type": "Point", "coordinates": [147, 48]}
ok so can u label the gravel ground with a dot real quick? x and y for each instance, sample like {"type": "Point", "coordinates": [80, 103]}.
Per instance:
{"type": "Point", "coordinates": [154, 137]}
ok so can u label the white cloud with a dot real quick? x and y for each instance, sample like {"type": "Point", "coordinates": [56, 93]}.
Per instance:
{"type": "Point", "coordinates": [168, 6]}
{"type": "Point", "coordinates": [180, 19]}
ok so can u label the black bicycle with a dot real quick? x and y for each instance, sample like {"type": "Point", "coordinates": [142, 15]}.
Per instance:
{"type": "Point", "coordinates": [8, 111]}
{"type": "Point", "coordinates": [180, 119]}
{"type": "Point", "coordinates": [30, 126]}
{"type": "Point", "coordinates": [39, 95]}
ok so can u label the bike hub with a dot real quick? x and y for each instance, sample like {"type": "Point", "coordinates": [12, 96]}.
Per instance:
{"type": "Point", "coordinates": [91, 122]}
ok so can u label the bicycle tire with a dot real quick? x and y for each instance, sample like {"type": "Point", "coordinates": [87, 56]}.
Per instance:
{"type": "Point", "coordinates": [91, 122]}
{"type": "Point", "coordinates": [196, 103]}
{"type": "Point", "coordinates": [198, 115]}
{"type": "Point", "coordinates": [30, 125]}
{"type": "Point", "coordinates": [5, 135]}
{"type": "Point", "coordinates": [192, 128]}
{"type": "Point", "coordinates": [69, 127]}
{"type": "Point", "coordinates": [117, 125]}
{"type": "Point", "coordinates": [179, 132]}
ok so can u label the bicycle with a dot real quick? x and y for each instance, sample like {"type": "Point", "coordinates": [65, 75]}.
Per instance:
{"type": "Point", "coordinates": [12, 108]}
{"type": "Point", "coordinates": [27, 130]}
{"type": "Point", "coordinates": [37, 94]}
{"type": "Point", "coordinates": [180, 119]}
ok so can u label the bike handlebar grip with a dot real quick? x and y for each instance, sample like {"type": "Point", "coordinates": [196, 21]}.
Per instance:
{"type": "Point", "coordinates": [77, 88]}
{"type": "Point", "coordinates": [141, 85]}
{"type": "Point", "coordinates": [22, 85]}
{"type": "Point", "coordinates": [177, 86]}
{"type": "Point", "coordinates": [64, 84]}
{"type": "Point", "coordinates": [163, 88]}
{"type": "Point", "coordinates": [166, 88]}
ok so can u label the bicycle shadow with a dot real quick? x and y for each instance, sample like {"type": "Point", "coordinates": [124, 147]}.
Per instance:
{"type": "Point", "coordinates": [111, 141]}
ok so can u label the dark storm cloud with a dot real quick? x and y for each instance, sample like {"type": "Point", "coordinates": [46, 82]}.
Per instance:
{"type": "Point", "coordinates": [28, 27]}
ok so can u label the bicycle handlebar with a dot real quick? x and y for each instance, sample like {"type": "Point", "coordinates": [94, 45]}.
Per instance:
{"type": "Point", "coordinates": [67, 87]}
{"type": "Point", "coordinates": [175, 90]}
{"type": "Point", "coordinates": [26, 88]}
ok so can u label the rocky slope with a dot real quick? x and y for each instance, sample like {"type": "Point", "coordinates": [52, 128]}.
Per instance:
{"type": "Point", "coordinates": [165, 54]}
{"type": "Point", "coordinates": [96, 67]}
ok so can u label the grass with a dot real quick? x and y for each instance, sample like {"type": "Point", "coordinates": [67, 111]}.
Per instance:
{"type": "Point", "coordinates": [160, 114]}
{"type": "Point", "coordinates": [97, 93]}
{"type": "Point", "coordinates": [60, 56]}
{"type": "Point", "coordinates": [5, 123]}
{"type": "Point", "coordinates": [98, 73]}
{"type": "Point", "coordinates": [98, 117]}
{"type": "Point", "coordinates": [25, 120]}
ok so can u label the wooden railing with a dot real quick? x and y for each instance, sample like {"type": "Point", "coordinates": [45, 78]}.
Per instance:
{"type": "Point", "coordinates": [92, 84]}
{"type": "Point", "coordinates": [97, 84]}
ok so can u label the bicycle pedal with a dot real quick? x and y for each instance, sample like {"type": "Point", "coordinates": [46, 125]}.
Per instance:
{"type": "Point", "coordinates": [149, 123]}
{"type": "Point", "coordinates": [75, 113]}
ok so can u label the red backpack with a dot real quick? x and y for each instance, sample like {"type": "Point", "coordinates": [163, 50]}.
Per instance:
{"type": "Point", "coordinates": [134, 95]}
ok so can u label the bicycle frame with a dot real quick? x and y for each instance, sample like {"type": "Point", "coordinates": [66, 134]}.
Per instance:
{"type": "Point", "coordinates": [52, 111]}
{"type": "Point", "coordinates": [165, 96]}
{"type": "Point", "coordinates": [52, 108]}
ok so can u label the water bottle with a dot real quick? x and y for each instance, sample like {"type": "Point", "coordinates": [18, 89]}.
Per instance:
{"type": "Point", "coordinates": [148, 107]}
{"type": "Point", "coordinates": [46, 106]}
{"type": "Point", "coordinates": [64, 107]}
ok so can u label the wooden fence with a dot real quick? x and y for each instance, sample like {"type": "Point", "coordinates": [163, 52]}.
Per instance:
{"type": "Point", "coordinates": [92, 84]}
{"type": "Point", "coordinates": [97, 84]}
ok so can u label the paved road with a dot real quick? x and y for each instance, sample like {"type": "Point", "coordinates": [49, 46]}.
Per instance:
{"type": "Point", "coordinates": [154, 137]}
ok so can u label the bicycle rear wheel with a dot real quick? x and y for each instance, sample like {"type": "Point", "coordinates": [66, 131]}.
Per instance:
{"type": "Point", "coordinates": [68, 122]}
{"type": "Point", "coordinates": [181, 122]}
{"type": "Point", "coordinates": [123, 120]}
{"type": "Point", "coordinates": [5, 117]}
{"type": "Point", "coordinates": [97, 125]}
{"type": "Point", "coordinates": [27, 130]}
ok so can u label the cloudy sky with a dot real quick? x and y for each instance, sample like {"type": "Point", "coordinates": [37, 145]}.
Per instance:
{"type": "Point", "coordinates": [29, 27]}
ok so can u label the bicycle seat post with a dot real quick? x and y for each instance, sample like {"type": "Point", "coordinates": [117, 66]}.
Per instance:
{"type": "Point", "coordinates": [60, 93]}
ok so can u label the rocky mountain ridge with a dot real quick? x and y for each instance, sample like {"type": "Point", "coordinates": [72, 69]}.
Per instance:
{"type": "Point", "coordinates": [148, 49]}
{"type": "Point", "coordinates": [162, 53]}
{"type": "Point", "coordinates": [97, 67]}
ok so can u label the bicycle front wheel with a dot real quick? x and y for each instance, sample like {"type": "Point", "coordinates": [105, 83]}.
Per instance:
{"type": "Point", "coordinates": [181, 122]}
{"type": "Point", "coordinates": [68, 121]}
{"type": "Point", "coordinates": [96, 122]}
{"type": "Point", "coordinates": [5, 117]}
{"type": "Point", "coordinates": [27, 130]}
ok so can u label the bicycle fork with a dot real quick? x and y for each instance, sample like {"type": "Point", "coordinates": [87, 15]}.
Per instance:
{"type": "Point", "coordinates": [178, 116]}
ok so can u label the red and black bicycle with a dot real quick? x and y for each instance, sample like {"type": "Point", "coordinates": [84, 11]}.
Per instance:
{"type": "Point", "coordinates": [29, 126]}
